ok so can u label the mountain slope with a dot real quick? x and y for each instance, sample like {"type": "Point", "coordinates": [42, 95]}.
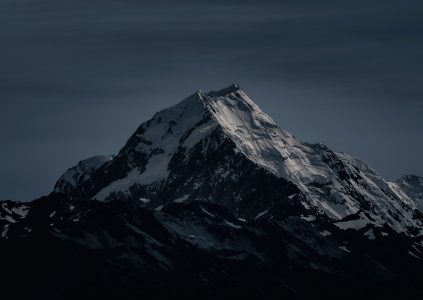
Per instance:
{"type": "Point", "coordinates": [80, 173]}
{"type": "Point", "coordinates": [10, 213]}
{"type": "Point", "coordinates": [412, 187]}
{"type": "Point", "coordinates": [120, 249]}
{"type": "Point", "coordinates": [206, 146]}
{"type": "Point", "coordinates": [210, 199]}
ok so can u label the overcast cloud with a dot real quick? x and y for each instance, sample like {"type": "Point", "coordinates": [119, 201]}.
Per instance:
{"type": "Point", "coordinates": [77, 77]}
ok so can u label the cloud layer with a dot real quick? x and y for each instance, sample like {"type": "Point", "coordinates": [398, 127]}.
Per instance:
{"type": "Point", "coordinates": [77, 77]}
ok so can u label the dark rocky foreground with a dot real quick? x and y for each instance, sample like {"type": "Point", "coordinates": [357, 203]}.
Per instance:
{"type": "Point", "coordinates": [69, 248]}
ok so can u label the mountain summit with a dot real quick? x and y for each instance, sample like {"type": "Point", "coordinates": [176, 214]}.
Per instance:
{"type": "Point", "coordinates": [211, 199]}
{"type": "Point", "coordinates": [210, 144]}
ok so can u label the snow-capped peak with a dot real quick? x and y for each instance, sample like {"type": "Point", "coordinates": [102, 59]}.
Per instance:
{"type": "Point", "coordinates": [333, 183]}
{"type": "Point", "coordinates": [254, 132]}
{"type": "Point", "coordinates": [225, 91]}
{"type": "Point", "coordinates": [336, 183]}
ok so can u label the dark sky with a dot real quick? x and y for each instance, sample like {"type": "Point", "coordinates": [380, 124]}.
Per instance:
{"type": "Point", "coordinates": [78, 76]}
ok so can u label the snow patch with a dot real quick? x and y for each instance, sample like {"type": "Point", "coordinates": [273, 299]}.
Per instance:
{"type": "Point", "coordinates": [21, 211]}
{"type": "Point", "coordinates": [344, 249]}
{"type": "Point", "coordinates": [182, 199]}
{"type": "Point", "coordinates": [261, 214]}
{"type": "Point", "coordinates": [5, 230]}
{"type": "Point", "coordinates": [207, 213]}
{"type": "Point", "coordinates": [232, 225]}
{"type": "Point", "coordinates": [8, 219]}
{"type": "Point", "coordinates": [356, 224]}
{"type": "Point", "coordinates": [144, 200]}
{"type": "Point", "coordinates": [309, 218]}
{"type": "Point", "coordinates": [370, 234]}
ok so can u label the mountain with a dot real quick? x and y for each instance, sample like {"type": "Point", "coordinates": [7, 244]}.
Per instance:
{"type": "Point", "coordinates": [412, 186]}
{"type": "Point", "coordinates": [211, 199]}
{"type": "Point", "coordinates": [213, 147]}
{"type": "Point", "coordinates": [78, 174]}
{"type": "Point", "coordinates": [11, 212]}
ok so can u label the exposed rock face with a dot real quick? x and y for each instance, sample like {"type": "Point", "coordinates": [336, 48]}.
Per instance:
{"type": "Point", "coordinates": [67, 248]}
{"type": "Point", "coordinates": [222, 148]}
{"type": "Point", "coordinates": [75, 176]}
{"type": "Point", "coordinates": [11, 212]}
{"type": "Point", "coordinates": [211, 199]}
{"type": "Point", "coordinates": [412, 186]}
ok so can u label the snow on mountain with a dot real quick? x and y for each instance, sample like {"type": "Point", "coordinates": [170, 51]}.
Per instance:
{"type": "Point", "coordinates": [10, 213]}
{"type": "Point", "coordinates": [411, 186]}
{"type": "Point", "coordinates": [336, 183]}
{"type": "Point", "coordinates": [192, 149]}
{"type": "Point", "coordinates": [212, 193]}
{"type": "Point", "coordinates": [121, 249]}
{"type": "Point", "coordinates": [79, 173]}
{"type": "Point", "coordinates": [158, 140]}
